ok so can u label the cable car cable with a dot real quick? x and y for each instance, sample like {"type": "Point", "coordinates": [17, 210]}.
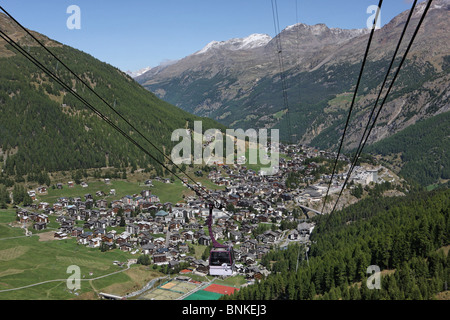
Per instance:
{"type": "Point", "coordinates": [353, 100]}
{"type": "Point", "coordinates": [281, 64]}
{"type": "Point", "coordinates": [364, 138]}
{"type": "Point", "coordinates": [96, 94]}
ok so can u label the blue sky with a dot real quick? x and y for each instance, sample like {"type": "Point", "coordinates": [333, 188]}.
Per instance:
{"type": "Point", "coordinates": [134, 34]}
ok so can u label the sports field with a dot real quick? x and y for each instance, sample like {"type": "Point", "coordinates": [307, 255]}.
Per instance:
{"type": "Point", "coordinates": [170, 290]}
{"type": "Point", "coordinates": [203, 295]}
{"type": "Point", "coordinates": [212, 292]}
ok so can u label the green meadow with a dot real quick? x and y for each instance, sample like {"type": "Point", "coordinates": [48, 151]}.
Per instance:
{"type": "Point", "coordinates": [167, 192]}
{"type": "Point", "coordinates": [27, 260]}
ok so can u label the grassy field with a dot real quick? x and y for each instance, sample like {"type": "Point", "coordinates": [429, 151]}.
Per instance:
{"type": "Point", "coordinates": [167, 192]}
{"type": "Point", "coordinates": [27, 260]}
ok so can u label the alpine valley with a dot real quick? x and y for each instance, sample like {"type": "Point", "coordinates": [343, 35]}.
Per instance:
{"type": "Point", "coordinates": [238, 83]}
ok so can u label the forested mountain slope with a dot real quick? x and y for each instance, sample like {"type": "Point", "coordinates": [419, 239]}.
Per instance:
{"type": "Point", "coordinates": [422, 150]}
{"type": "Point", "coordinates": [403, 236]}
{"type": "Point", "coordinates": [241, 86]}
{"type": "Point", "coordinates": [45, 128]}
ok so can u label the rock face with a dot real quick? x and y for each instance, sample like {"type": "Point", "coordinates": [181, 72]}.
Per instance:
{"type": "Point", "coordinates": [237, 82]}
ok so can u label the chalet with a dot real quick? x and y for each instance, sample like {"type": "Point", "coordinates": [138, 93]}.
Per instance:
{"type": "Point", "coordinates": [66, 227]}
{"type": "Point", "coordinates": [89, 225]}
{"type": "Point", "coordinates": [174, 225]}
{"type": "Point", "coordinates": [144, 238]}
{"type": "Point", "coordinates": [126, 247]}
{"type": "Point", "coordinates": [187, 235]}
{"type": "Point", "coordinates": [42, 190]}
{"type": "Point", "coordinates": [72, 210]}
{"type": "Point", "coordinates": [160, 241]}
{"type": "Point", "coordinates": [173, 264]}
{"type": "Point", "coordinates": [183, 248]}
{"type": "Point", "coordinates": [32, 194]}
{"type": "Point", "coordinates": [40, 226]}
{"type": "Point", "coordinates": [175, 237]}
{"type": "Point", "coordinates": [70, 184]}
{"type": "Point", "coordinates": [100, 193]}
{"type": "Point", "coordinates": [143, 225]}
{"type": "Point", "coordinates": [127, 200]}
{"type": "Point", "coordinates": [99, 232]}
{"type": "Point", "coordinates": [77, 232]}
{"type": "Point", "coordinates": [255, 272]}
{"type": "Point", "coordinates": [132, 228]}
{"type": "Point", "coordinates": [95, 242]}
{"type": "Point", "coordinates": [146, 193]}
{"type": "Point", "coordinates": [234, 235]}
{"type": "Point", "coordinates": [57, 206]}
{"type": "Point", "coordinates": [127, 210]}
{"type": "Point", "coordinates": [107, 238]}
{"type": "Point", "coordinates": [60, 235]}
{"type": "Point", "coordinates": [148, 248]}
{"type": "Point", "coordinates": [123, 237]}
{"type": "Point", "coordinates": [268, 237]}
{"type": "Point", "coordinates": [42, 218]}
{"type": "Point", "coordinates": [263, 217]}
{"type": "Point", "coordinates": [84, 237]}
{"type": "Point", "coordinates": [239, 217]}
{"type": "Point", "coordinates": [204, 240]}
{"type": "Point", "coordinates": [159, 258]}
{"type": "Point", "coordinates": [249, 259]}
{"type": "Point", "coordinates": [43, 205]}
{"type": "Point", "coordinates": [250, 244]}
{"type": "Point", "coordinates": [201, 266]}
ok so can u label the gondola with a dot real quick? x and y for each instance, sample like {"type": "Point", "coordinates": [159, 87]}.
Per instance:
{"type": "Point", "coordinates": [221, 257]}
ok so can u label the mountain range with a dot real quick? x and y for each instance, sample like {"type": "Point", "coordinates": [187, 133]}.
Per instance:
{"type": "Point", "coordinates": [238, 82]}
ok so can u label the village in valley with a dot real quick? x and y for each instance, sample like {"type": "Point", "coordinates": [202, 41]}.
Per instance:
{"type": "Point", "coordinates": [261, 212]}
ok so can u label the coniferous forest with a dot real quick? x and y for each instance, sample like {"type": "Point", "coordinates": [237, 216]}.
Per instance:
{"type": "Point", "coordinates": [406, 237]}
{"type": "Point", "coordinates": [43, 127]}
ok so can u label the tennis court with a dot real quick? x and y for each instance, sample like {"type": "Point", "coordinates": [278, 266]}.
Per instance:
{"type": "Point", "coordinates": [212, 292]}
{"type": "Point", "coordinates": [203, 295]}
{"type": "Point", "coordinates": [170, 290]}
{"type": "Point", "coordinates": [221, 289]}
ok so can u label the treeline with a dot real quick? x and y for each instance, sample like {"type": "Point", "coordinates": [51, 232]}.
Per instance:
{"type": "Point", "coordinates": [424, 149]}
{"type": "Point", "coordinates": [400, 235]}
{"type": "Point", "coordinates": [19, 195]}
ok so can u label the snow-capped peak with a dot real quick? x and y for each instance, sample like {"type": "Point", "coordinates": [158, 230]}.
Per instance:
{"type": "Point", "coordinates": [135, 74]}
{"type": "Point", "coordinates": [252, 41]}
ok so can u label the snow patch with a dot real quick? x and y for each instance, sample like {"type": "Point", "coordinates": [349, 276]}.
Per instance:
{"type": "Point", "coordinates": [252, 41]}
{"type": "Point", "coordinates": [135, 74]}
